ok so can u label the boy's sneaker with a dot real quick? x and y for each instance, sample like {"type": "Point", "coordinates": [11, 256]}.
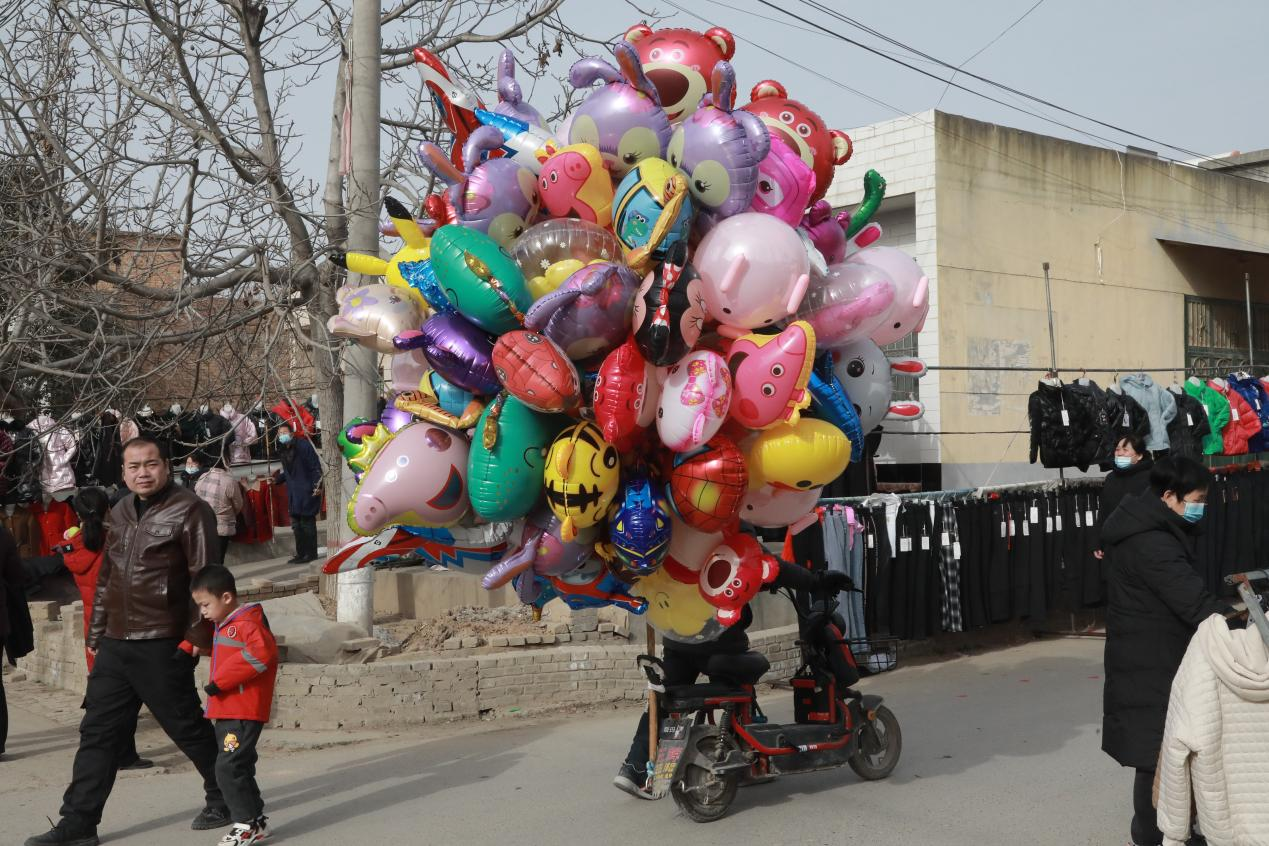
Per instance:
{"type": "Point", "coordinates": [65, 834]}
{"type": "Point", "coordinates": [210, 818]}
{"type": "Point", "coordinates": [629, 780]}
{"type": "Point", "coordinates": [244, 834]}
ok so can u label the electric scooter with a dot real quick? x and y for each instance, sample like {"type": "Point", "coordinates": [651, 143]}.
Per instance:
{"type": "Point", "coordinates": [714, 735]}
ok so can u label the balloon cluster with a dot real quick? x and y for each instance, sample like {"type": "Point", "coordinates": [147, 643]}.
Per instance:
{"type": "Point", "coordinates": [613, 342]}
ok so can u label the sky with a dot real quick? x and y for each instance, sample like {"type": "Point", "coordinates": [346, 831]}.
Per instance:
{"type": "Point", "coordinates": [1190, 75]}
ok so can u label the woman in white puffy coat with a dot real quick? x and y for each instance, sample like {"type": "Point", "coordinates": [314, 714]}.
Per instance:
{"type": "Point", "coordinates": [1216, 742]}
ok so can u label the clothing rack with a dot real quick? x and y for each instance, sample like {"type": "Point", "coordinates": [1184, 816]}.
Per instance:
{"type": "Point", "coordinates": [959, 493]}
{"type": "Point", "coordinates": [1254, 611]}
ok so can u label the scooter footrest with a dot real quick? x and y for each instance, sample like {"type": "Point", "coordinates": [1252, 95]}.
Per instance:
{"type": "Point", "coordinates": [795, 735]}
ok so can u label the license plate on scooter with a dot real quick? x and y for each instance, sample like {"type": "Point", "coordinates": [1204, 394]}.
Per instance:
{"type": "Point", "coordinates": [671, 741]}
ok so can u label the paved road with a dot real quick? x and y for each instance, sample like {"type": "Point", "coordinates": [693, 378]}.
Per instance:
{"type": "Point", "coordinates": [1001, 748]}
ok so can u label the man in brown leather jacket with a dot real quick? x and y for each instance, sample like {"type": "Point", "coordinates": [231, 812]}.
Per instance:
{"type": "Point", "coordinates": [146, 633]}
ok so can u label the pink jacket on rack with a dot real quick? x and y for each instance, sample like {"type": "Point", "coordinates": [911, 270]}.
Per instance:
{"type": "Point", "coordinates": [1243, 424]}
{"type": "Point", "coordinates": [244, 435]}
{"type": "Point", "coordinates": [60, 448]}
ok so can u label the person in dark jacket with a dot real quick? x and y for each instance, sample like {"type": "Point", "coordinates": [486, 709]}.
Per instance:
{"type": "Point", "coordinates": [1130, 476]}
{"type": "Point", "coordinates": [302, 473]}
{"type": "Point", "coordinates": [1156, 600]}
{"type": "Point", "coordinates": [12, 591]}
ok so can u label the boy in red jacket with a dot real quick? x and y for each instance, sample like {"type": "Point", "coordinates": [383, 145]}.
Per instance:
{"type": "Point", "coordinates": [244, 664]}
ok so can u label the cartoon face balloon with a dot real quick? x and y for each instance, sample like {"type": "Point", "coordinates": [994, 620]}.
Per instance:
{"type": "Point", "coordinates": [770, 374]}
{"type": "Point", "coordinates": [775, 508]}
{"type": "Point", "coordinates": [802, 130]}
{"type": "Point", "coordinates": [574, 183]}
{"type": "Point", "coordinates": [755, 270]}
{"type": "Point", "coordinates": [719, 150]}
{"type": "Point", "coordinates": [623, 119]}
{"type": "Point", "coordinates": [639, 528]}
{"type": "Point", "coordinates": [676, 608]}
{"type": "Point", "coordinates": [706, 485]}
{"type": "Point", "coordinates": [589, 315]}
{"type": "Point", "coordinates": [785, 184]}
{"type": "Point", "coordinates": [734, 574]}
{"type": "Point", "coordinates": [669, 309]}
{"type": "Point", "coordinates": [552, 244]}
{"type": "Point", "coordinates": [581, 477]}
{"type": "Point", "coordinates": [652, 210]}
{"type": "Point", "coordinates": [809, 454]}
{"type": "Point", "coordinates": [480, 279]}
{"type": "Point", "coordinates": [625, 396]}
{"type": "Point", "coordinates": [912, 291]}
{"type": "Point", "coordinates": [374, 315]}
{"type": "Point", "coordinates": [507, 458]}
{"type": "Point", "coordinates": [679, 61]}
{"type": "Point", "coordinates": [866, 375]}
{"type": "Point", "coordinates": [695, 397]}
{"type": "Point", "coordinates": [536, 371]}
{"type": "Point", "coordinates": [418, 478]}
{"type": "Point", "coordinates": [848, 304]}
{"type": "Point", "coordinates": [460, 352]}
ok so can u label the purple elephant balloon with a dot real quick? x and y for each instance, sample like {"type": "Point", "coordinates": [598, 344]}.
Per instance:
{"type": "Point", "coordinates": [458, 350]}
{"type": "Point", "coordinates": [589, 315]}
{"type": "Point", "coordinates": [624, 118]}
{"type": "Point", "coordinates": [511, 100]}
{"type": "Point", "coordinates": [542, 551]}
{"type": "Point", "coordinates": [720, 149]}
{"type": "Point", "coordinates": [497, 197]}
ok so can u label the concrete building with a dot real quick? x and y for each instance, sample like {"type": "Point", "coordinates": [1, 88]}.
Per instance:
{"type": "Point", "coordinates": [1147, 263]}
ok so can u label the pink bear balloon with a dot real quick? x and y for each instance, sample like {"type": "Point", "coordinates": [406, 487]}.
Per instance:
{"type": "Point", "coordinates": [912, 291]}
{"type": "Point", "coordinates": [755, 269]}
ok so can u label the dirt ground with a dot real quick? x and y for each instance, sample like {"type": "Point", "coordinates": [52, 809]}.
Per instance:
{"type": "Point", "coordinates": [483, 623]}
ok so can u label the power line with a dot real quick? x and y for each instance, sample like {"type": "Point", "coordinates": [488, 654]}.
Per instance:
{"type": "Point", "coordinates": [1037, 4]}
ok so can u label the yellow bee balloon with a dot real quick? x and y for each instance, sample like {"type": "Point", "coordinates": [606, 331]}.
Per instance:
{"type": "Point", "coordinates": [418, 247]}
{"type": "Point", "coordinates": [582, 474]}
{"type": "Point", "coordinates": [805, 455]}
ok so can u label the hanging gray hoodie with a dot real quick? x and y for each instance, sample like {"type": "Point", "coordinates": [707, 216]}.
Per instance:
{"type": "Point", "coordinates": [1159, 404]}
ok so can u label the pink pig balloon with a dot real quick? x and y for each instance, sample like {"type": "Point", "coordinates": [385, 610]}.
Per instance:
{"type": "Point", "coordinates": [912, 291]}
{"type": "Point", "coordinates": [418, 478]}
{"type": "Point", "coordinates": [695, 397]}
{"type": "Point", "coordinates": [848, 304]}
{"type": "Point", "coordinates": [755, 269]}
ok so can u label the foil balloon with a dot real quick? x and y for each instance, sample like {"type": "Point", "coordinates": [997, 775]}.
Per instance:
{"type": "Point", "coordinates": [802, 130]}
{"type": "Point", "coordinates": [417, 478]}
{"type": "Point", "coordinates": [498, 197]}
{"type": "Point", "coordinates": [912, 291]}
{"type": "Point", "coordinates": [533, 369]}
{"type": "Point", "coordinates": [669, 309]}
{"type": "Point", "coordinates": [439, 402]}
{"type": "Point", "coordinates": [480, 279]}
{"type": "Point", "coordinates": [408, 370]}
{"type": "Point", "coordinates": [652, 211]}
{"type": "Point", "coordinates": [394, 418]}
{"type": "Point", "coordinates": [523, 142]}
{"type": "Point", "coordinates": [470, 549]}
{"type": "Point", "coordinates": [581, 477]}
{"type": "Point", "coordinates": [541, 551]}
{"type": "Point", "coordinates": [456, 104]}
{"type": "Point", "coordinates": [755, 270]}
{"type": "Point", "coordinates": [625, 396]}
{"type": "Point", "coordinates": [417, 248]}
{"type": "Point", "coordinates": [551, 251]}
{"type": "Point", "coordinates": [375, 315]}
{"type": "Point", "coordinates": [826, 231]}
{"type": "Point", "coordinates": [866, 374]}
{"type": "Point", "coordinates": [691, 547]}
{"type": "Point", "coordinates": [808, 454]}
{"type": "Point", "coordinates": [785, 184]}
{"type": "Point", "coordinates": [848, 304]}
{"type": "Point", "coordinates": [676, 608]}
{"type": "Point", "coordinates": [507, 458]}
{"type": "Point", "coordinates": [695, 397]}
{"type": "Point", "coordinates": [421, 278]}
{"type": "Point", "coordinates": [770, 373]}
{"type": "Point", "coordinates": [719, 149]}
{"type": "Point", "coordinates": [623, 119]}
{"type": "Point", "coordinates": [829, 402]}
{"type": "Point", "coordinates": [589, 315]}
{"type": "Point", "coordinates": [734, 574]}
{"type": "Point", "coordinates": [359, 440]}
{"type": "Point", "coordinates": [707, 484]}
{"type": "Point", "coordinates": [511, 102]}
{"type": "Point", "coordinates": [678, 62]}
{"type": "Point", "coordinates": [775, 508]}
{"type": "Point", "coordinates": [459, 351]}
{"type": "Point", "coordinates": [574, 183]}
{"type": "Point", "coordinates": [638, 528]}
{"type": "Point", "coordinates": [593, 585]}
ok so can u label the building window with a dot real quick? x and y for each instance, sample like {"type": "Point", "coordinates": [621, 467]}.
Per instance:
{"type": "Point", "coordinates": [1216, 335]}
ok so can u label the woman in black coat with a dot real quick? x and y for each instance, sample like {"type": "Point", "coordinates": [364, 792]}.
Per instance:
{"type": "Point", "coordinates": [302, 473]}
{"type": "Point", "coordinates": [15, 622]}
{"type": "Point", "coordinates": [1156, 600]}
{"type": "Point", "coordinates": [1131, 476]}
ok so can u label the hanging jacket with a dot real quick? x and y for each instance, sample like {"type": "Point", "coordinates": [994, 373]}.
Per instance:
{"type": "Point", "coordinates": [1126, 416]}
{"type": "Point", "coordinates": [1243, 423]}
{"type": "Point", "coordinates": [1253, 392]}
{"type": "Point", "coordinates": [1215, 741]}
{"type": "Point", "coordinates": [56, 470]}
{"type": "Point", "coordinates": [1098, 444]}
{"type": "Point", "coordinates": [1217, 408]}
{"type": "Point", "coordinates": [1158, 403]}
{"type": "Point", "coordinates": [1058, 428]}
{"type": "Point", "coordinates": [1155, 601]}
{"type": "Point", "coordinates": [244, 435]}
{"type": "Point", "coordinates": [244, 665]}
{"type": "Point", "coordinates": [1189, 430]}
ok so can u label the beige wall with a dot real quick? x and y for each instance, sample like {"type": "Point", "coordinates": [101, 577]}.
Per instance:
{"type": "Point", "coordinates": [1008, 200]}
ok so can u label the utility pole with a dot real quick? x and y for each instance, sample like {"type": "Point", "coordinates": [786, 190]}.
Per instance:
{"type": "Point", "coordinates": [355, 593]}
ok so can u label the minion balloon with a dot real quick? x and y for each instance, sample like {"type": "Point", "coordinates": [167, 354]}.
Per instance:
{"type": "Point", "coordinates": [581, 477]}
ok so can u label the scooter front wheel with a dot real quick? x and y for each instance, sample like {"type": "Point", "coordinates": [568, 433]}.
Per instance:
{"type": "Point", "coordinates": [880, 744]}
{"type": "Point", "coordinates": [700, 793]}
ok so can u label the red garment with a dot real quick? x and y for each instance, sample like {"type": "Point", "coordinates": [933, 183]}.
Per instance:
{"type": "Point", "coordinates": [260, 527]}
{"type": "Point", "coordinates": [244, 665]}
{"type": "Point", "coordinates": [301, 424]}
{"type": "Point", "coordinates": [54, 519]}
{"type": "Point", "coordinates": [1243, 424]}
{"type": "Point", "coordinates": [280, 505]}
{"type": "Point", "coordinates": [84, 565]}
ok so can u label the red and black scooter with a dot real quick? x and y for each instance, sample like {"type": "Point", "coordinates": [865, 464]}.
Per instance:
{"type": "Point", "coordinates": [713, 735]}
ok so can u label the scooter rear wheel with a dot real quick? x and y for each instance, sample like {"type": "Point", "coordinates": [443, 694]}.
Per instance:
{"type": "Point", "coordinates": [701, 795]}
{"type": "Point", "coordinates": [880, 744]}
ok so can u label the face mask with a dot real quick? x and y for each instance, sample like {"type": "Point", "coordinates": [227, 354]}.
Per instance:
{"type": "Point", "coordinates": [1194, 511]}
{"type": "Point", "coordinates": [284, 439]}
{"type": "Point", "coordinates": [191, 471]}
{"type": "Point", "coordinates": [1123, 462]}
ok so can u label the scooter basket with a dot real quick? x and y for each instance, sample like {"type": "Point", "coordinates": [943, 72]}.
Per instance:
{"type": "Point", "coordinates": [874, 654]}
{"type": "Point", "coordinates": [814, 698]}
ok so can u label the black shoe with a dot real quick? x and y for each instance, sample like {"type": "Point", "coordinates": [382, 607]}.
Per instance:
{"type": "Point", "coordinates": [296, 560]}
{"type": "Point", "coordinates": [137, 764]}
{"type": "Point", "coordinates": [64, 834]}
{"type": "Point", "coordinates": [210, 818]}
{"type": "Point", "coordinates": [629, 780]}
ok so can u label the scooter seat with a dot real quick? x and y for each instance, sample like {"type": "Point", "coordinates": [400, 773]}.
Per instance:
{"type": "Point", "coordinates": [739, 669]}
{"type": "Point", "coordinates": [692, 697]}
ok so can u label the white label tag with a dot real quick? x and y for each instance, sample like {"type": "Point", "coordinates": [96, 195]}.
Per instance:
{"type": "Point", "coordinates": [1088, 518]}
{"type": "Point", "coordinates": [1004, 529]}
{"type": "Point", "coordinates": [1066, 418]}
{"type": "Point", "coordinates": [1026, 529]}
{"type": "Point", "coordinates": [1079, 520]}
{"type": "Point", "coordinates": [925, 542]}
{"type": "Point", "coordinates": [905, 544]}
{"type": "Point", "coordinates": [945, 539]}
{"type": "Point", "coordinates": [872, 541]}
{"type": "Point", "coordinates": [1233, 410]}
{"type": "Point", "coordinates": [1189, 419]}
{"type": "Point", "coordinates": [1035, 514]}
{"type": "Point", "coordinates": [1058, 523]}
{"type": "Point", "coordinates": [956, 549]}
{"type": "Point", "coordinates": [1048, 525]}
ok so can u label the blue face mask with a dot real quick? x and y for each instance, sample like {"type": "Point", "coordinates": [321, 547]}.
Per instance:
{"type": "Point", "coordinates": [284, 439]}
{"type": "Point", "coordinates": [1194, 511]}
{"type": "Point", "coordinates": [1123, 462]}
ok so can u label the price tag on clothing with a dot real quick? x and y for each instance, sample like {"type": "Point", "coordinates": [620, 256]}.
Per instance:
{"type": "Point", "coordinates": [1088, 517]}
{"type": "Point", "coordinates": [925, 543]}
{"type": "Point", "coordinates": [872, 541]}
{"type": "Point", "coordinates": [1035, 514]}
{"type": "Point", "coordinates": [1233, 411]}
{"type": "Point", "coordinates": [1058, 523]}
{"type": "Point", "coordinates": [1026, 529]}
{"type": "Point", "coordinates": [905, 544]}
{"type": "Point", "coordinates": [1066, 418]}
{"type": "Point", "coordinates": [1048, 525]}
{"type": "Point", "coordinates": [1127, 422]}
{"type": "Point", "coordinates": [956, 550]}
{"type": "Point", "coordinates": [1189, 419]}
{"type": "Point", "coordinates": [945, 539]}
{"type": "Point", "coordinates": [1079, 519]}
{"type": "Point", "coordinates": [1004, 529]}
